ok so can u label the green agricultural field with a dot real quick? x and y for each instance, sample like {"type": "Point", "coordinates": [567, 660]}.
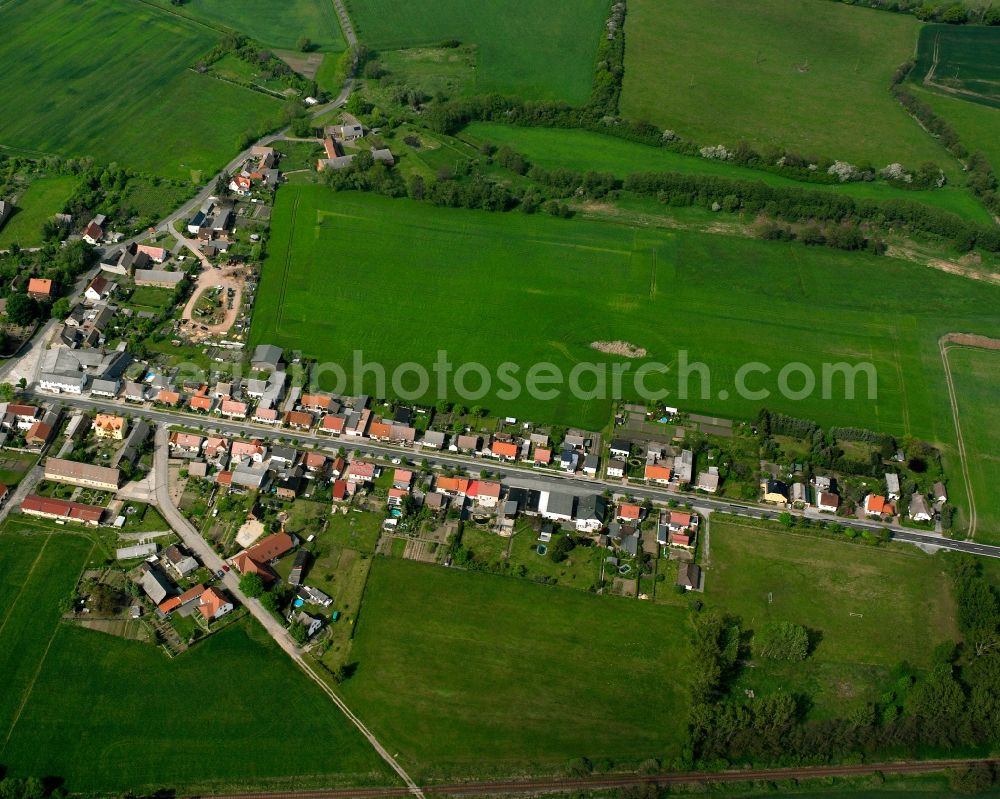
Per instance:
{"type": "Point", "coordinates": [809, 76]}
{"type": "Point", "coordinates": [279, 25]}
{"type": "Point", "coordinates": [582, 150]}
{"type": "Point", "coordinates": [399, 280]}
{"type": "Point", "coordinates": [112, 80]}
{"type": "Point", "coordinates": [976, 374]}
{"type": "Point", "coordinates": [977, 125]}
{"type": "Point", "coordinates": [468, 674]}
{"type": "Point", "coordinates": [870, 610]}
{"type": "Point", "coordinates": [106, 714]}
{"type": "Point", "coordinates": [38, 203]}
{"type": "Point", "coordinates": [535, 50]}
{"type": "Point", "coordinates": [960, 60]}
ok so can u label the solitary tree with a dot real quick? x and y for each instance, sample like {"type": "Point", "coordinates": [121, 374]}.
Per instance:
{"type": "Point", "coordinates": [252, 585]}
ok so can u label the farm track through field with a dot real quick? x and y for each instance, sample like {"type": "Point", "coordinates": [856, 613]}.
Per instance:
{"type": "Point", "coordinates": [623, 781]}
{"type": "Point", "coordinates": [945, 343]}
{"type": "Point", "coordinates": [287, 263]}
{"type": "Point", "coordinates": [41, 661]}
{"type": "Point", "coordinates": [27, 577]}
{"type": "Point", "coordinates": [961, 94]}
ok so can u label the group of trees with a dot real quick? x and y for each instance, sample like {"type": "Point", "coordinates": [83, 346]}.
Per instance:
{"type": "Point", "coordinates": [30, 788]}
{"type": "Point", "coordinates": [955, 703]}
{"type": "Point", "coordinates": [955, 13]}
{"type": "Point", "coordinates": [270, 66]}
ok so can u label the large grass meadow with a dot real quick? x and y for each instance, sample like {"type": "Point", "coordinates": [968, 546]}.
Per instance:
{"type": "Point", "coordinates": [279, 25]}
{"type": "Point", "coordinates": [399, 280]}
{"type": "Point", "coordinates": [976, 375]}
{"type": "Point", "coordinates": [809, 76]}
{"type": "Point", "coordinates": [868, 610]}
{"type": "Point", "coordinates": [112, 80]}
{"type": "Point", "coordinates": [110, 715]}
{"type": "Point", "coordinates": [535, 50]}
{"type": "Point", "coordinates": [469, 674]}
{"type": "Point", "coordinates": [583, 150]}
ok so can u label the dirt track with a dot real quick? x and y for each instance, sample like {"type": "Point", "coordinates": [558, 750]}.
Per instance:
{"type": "Point", "coordinates": [945, 343]}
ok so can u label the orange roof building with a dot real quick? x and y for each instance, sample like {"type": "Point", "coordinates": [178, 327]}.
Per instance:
{"type": "Point", "coordinates": [40, 288]}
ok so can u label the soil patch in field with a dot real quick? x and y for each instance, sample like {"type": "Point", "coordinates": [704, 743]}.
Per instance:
{"type": "Point", "coordinates": [623, 348]}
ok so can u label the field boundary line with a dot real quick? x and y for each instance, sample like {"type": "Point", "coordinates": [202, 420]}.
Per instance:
{"type": "Point", "coordinates": [288, 261]}
{"type": "Point", "coordinates": [945, 343]}
{"type": "Point", "coordinates": [41, 662]}
{"type": "Point", "coordinates": [193, 20]}
{"type": "Point", "coordinates": [27, 577]}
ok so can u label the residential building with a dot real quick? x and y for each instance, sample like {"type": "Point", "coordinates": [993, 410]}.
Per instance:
{"type": "Point", "coordinates": [39, 288]}
{"type": "Point", "coordinates": [557, 506]}
{"type": "Point", "coordinates": [827, 501]}
{"type": "Point", "coordinates": [660, 475]}
{"type": "Point", "coordinates": [591, 510]}
{"type": "Point", "coordinates": [877, 506]}
{"type": "Point", "coordinates": [892, 485]}
{"type": "Point", "coordinates": [616, 468]}
{"type": "Point", "coordinates": [85, 475]}
{"type": "Point", "coordinates": [684, 467]}
{"type": "Point", "coordinates": [708, 481]}
{"type": "Point", "coordinates": [775, 492]}
{"type": "Point", "coordinates": [62, 510]}
{"type": "Point", "coordinates": [919, 510]}
{"type": "Point", "coordinates": [179, 561]}
{"type": "Point", "coordinates": [107, 425]}
{"type": "Point", "coordinates": [620, 449]}
{"type": "Point", "coordinates": [214, 604]}
{"type": "Point", "coordinates": [434, 439]}
{"type": "Point", "coordinates": [689, 576]}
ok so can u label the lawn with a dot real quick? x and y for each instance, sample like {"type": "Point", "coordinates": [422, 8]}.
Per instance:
{"type": "Point", "coordinates": [809, 76]}
{"type": "Point", "coordinates": [38, 203]}
{"type": "Point", "coordinates": [536, 50]}
{"type": "Point", "coordinates": [112, 80]}
{"type": "Point", "coordinates": [976, 374]}
{"type": "Point", "coordinates": [493, 288]}
{"type": "Point", "coordinates": [870, 609]}
{"type": "Point", "coordinates": [582, 150]}
{"type": "Point", "coordinates": [963, 60]}
{"type": "Point", "coordinates": [106, 714]}
{"type": "Point", "coordinates": [278, 25]}
{"type": "Point", "coordinates": [468, 674]}
{"type": "Point", "coordinates": [152, 297]}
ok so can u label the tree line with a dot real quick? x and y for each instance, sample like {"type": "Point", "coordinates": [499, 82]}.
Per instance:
{"type": "Point", "coordinates": [955, 703]}
{"type": "Point", "coordinates": [956, 13]}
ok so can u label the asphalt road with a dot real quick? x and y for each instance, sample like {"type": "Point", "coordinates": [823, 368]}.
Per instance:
{"type": "Point", "coordinates": [513, 475]}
